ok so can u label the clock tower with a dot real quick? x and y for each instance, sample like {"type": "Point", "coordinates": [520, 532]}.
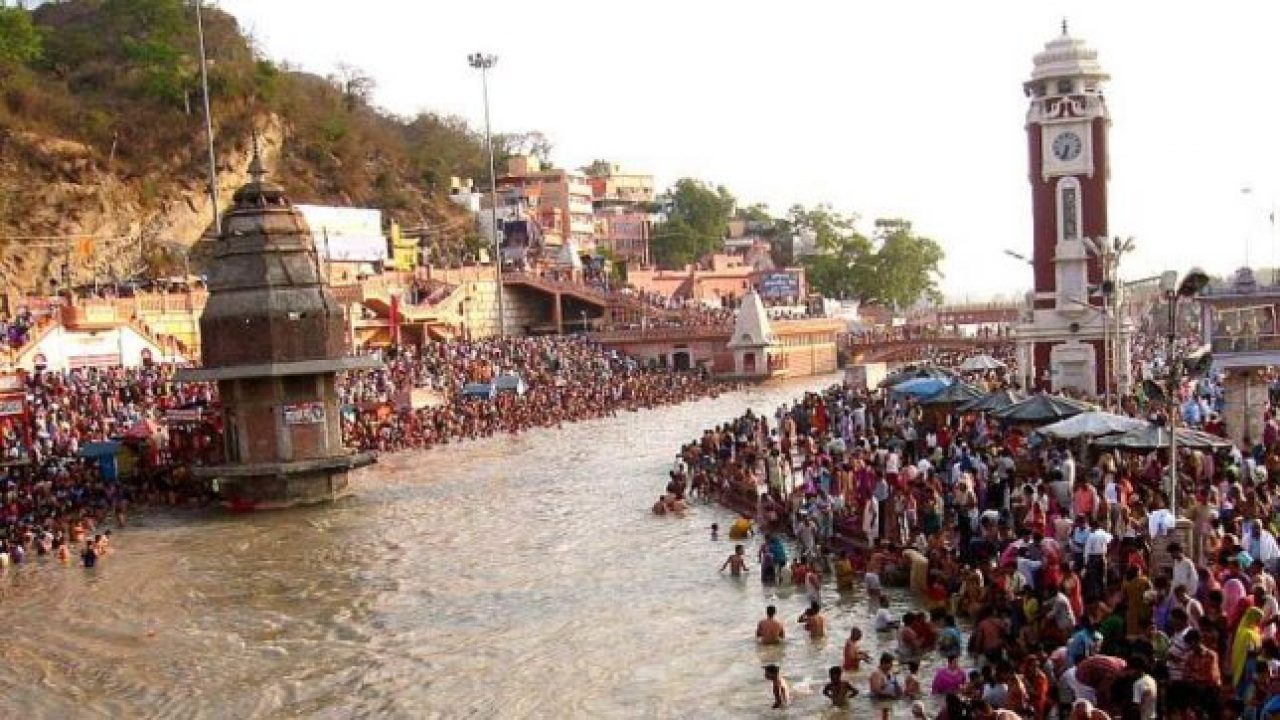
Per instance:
{"type": "Point", "coordinates": [1061, 339]}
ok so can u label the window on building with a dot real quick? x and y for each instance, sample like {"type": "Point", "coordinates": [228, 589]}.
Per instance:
{"type": "Point", "coordinates": [1065, 87]}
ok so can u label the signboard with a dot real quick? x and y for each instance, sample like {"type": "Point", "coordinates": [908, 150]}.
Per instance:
{"type": "Point", "coordinates": [306, 413]}
{"type": "Point", "coordinates": [779, 285]}
{"type": "Point", "coordinates": [11, 405]}
{"type": "Point", "coordinates": [182, 416]}
{"type": "Point", "coordinates": [12, 382]}
{"type": "Point", "coordinates": [424, 397]}
{"type": "Point", "coordinates": [346, 234]}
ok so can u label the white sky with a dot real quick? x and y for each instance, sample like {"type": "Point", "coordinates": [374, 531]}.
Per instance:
{"type": "Point", "coordinates": [908, 108]}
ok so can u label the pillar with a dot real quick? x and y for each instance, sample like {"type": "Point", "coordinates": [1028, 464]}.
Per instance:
{"type": "Point", "coordinates": [1246, 397]}
{"type": "Point", "coordinates": [557, 313]}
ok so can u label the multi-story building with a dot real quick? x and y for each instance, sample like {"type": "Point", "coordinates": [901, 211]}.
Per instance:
{"type": "Point", "coordinates": [559, 200]}
{"type": "Point", "coordinates": [611, 186]}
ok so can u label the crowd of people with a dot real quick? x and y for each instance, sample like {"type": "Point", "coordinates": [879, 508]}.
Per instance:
{"type": "Point", "coordinates": [54, 492]}
{"type": "Point", "coordinates": [565, 379]}
{"type": "Point", "coordinates": [1049, 582]}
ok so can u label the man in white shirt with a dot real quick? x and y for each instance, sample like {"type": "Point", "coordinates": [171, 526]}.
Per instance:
{"type": "Point", "coordinates": [1068, 469]}
{"type": "Point", "coordinates": [1027, 568]}
{"type": "Point", "coordinates": [1184, 571]}
{"type": "Point", "coordinates": [1095, 562]}
{"type": "Point", "coordinates": [1145, 690]}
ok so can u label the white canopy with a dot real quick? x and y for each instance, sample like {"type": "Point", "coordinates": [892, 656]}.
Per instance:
{"type": "Point", "coordinates": [1091, 424]}
{"type": "Point", "coordinates": [981, 362]}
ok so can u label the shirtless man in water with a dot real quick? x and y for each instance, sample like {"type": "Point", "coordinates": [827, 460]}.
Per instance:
{"type": "Point", "coordinates": [814, 622]}
{"type": "Point", "coordinates": [737, 562]}
{"type": "Point", "coordinates": [769, 631]}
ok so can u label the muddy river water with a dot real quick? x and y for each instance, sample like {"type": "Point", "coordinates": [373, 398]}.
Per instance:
{"type": "Point", "coordinates": [514, 577]}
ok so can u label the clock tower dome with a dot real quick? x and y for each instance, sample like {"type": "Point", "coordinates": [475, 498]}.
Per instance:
{"type": "Point", "coordinates": [1061, 338]}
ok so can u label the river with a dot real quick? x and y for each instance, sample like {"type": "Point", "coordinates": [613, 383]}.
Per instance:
{"type": "Point", "coordinates": [514, 577]}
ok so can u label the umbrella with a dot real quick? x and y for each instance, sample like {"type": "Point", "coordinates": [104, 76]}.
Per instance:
{"type": "Point", "coordinates": [953, 394]}
{"type": "Point", "coordinates": [1041, 408]}
{"type": "Point", "coordinates": [992, 401]}
{"type": "Point", "coordinates": [1153, 437]}
{"type": "Point", "coordinates": [921, 387]}
{"type": "Point", "coordinates": [912, 372]}
{"type": "Point", "coordinates": [1091, 424]}
{"type": "Point", "coordinates": [981, 362]}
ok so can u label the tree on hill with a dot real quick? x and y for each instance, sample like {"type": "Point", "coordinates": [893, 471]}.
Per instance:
{"type": "Point", "coordinates": [19, 40]}
{"type": "Point", "coordinates": [697, 221]}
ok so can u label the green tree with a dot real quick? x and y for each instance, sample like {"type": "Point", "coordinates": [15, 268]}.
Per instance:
{"type": "Point", "coordinates": [597, 168]}
{"type": "Point", "coordinates": [19, 40]}
{"type": "Point", "coordinates": [697, 221]}
{"type": "Point", "coordinates": [906, 265]}
{"type": "Point", "coordinates": [840, 266]}
{"type": "Point", "coordinates": [895, 267]}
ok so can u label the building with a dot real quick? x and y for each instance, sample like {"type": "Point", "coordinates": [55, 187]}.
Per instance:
{"type": "Point", "coordinates": [624, 234]}
{"type": "Point", "coordinates": [751, 347]}
{"type": "Point", "coordinates": [1239, 320]}
{"type": "Point", "coordinates": [273, 340]}
{"type": "Point", "coordinates": [1062, 340]}
{"type": "Point", "coordinates": [613, 187]}
{"type": "Point", "coordinates": [721, 281]}
{"type": "Point", "coordinates": [558, 200]}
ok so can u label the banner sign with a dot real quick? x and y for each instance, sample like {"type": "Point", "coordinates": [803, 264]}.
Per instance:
{"type": "Point", "coordinates": [346, 234]}
{"type": "Point", "coordinates": [307, 413]}
{"type": "Point", "coordinates": [182, 415]}
{"type": "Point", "coordinates": [12, 382]}
{"type": "Point", "coordinates": [779, 285]}
{"type": "Point", "coordinates": [11, 405]}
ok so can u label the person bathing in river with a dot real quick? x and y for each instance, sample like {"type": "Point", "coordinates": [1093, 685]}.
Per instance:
{"type": "Point", "coordinates": [814, 622]}
{"type": "Point", "coordinates": [853, 655]}
{"type": "Point", "coordinates": [769, 631]}
{"type": "Point", "coordinates": [737, 562]}
{"type": "Point", "coordinates": [839, 690]}
{"type": "Point", "coordinates": [781, 693]}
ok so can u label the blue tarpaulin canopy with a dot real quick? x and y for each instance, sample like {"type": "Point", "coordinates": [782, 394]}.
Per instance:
{"type": "Point", "coordinates": [481, 390]}
{"type": "Point", "coordinates": [105, 453]}
{"type": "Point", "coordinates": [921, 387]}
{"type": "Point", "coordinates": [99, 449]}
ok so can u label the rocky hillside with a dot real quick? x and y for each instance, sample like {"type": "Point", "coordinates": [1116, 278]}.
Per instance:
{"type": "Point", "coordinates": [103, 163]}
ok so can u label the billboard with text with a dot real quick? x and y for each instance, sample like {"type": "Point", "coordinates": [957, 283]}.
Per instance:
{"type": "Point", "coordinates": [346, 234]}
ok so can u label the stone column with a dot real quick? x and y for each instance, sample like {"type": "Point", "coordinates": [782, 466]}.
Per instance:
{"type": "Point", "coordinates": [1246, 397]}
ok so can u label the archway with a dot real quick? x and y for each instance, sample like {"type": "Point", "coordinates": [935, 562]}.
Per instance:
{"type": "Point", "coordinates": [749, 363]}
{"type": "Point", "coordinates": [681, 360]}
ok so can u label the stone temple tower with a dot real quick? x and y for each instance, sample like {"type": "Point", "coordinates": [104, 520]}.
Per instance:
{"type": "Point", "coordinates": [272, 338]}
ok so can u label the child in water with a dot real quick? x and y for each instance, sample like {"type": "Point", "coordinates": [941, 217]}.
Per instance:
{"type": "Point", "coordinates": [715, 531]}
{"type": "Point", "coordinates": [839, 690]}
{"type": "Point", "coordinates": [737, 562]}
{"type": "Point", "coordinates": [781, 693]}
{"type": "Point", "coordinates": [911, 687]}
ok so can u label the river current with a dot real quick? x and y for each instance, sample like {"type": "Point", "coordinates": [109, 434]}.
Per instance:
{"type": "Point", "coordinates": [520, 577]}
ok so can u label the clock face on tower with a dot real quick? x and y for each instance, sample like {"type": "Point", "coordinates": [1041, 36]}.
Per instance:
{"type": "Point", "coordinates": [1067, 146]}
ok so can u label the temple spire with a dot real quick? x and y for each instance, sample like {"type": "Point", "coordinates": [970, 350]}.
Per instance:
{"type": "Point", "coordinates": [1064, 26]}
{"type": "Point", "coordinates": [256, 171]}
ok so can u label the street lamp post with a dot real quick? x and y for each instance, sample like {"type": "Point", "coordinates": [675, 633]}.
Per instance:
{"type": "Point", "coordinates": [484, 63]}
{"type": "Point", "coordinates": [1192, 283]}
{"type": "Point", "coordinates": [208, 124]}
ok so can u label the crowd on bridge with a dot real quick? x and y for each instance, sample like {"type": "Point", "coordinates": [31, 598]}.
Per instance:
{"type": "Point", "coordinates": [1047, 582]}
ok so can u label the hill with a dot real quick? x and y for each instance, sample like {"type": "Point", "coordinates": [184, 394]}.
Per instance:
{"type": "Point", "coordinates": [103, 164]}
